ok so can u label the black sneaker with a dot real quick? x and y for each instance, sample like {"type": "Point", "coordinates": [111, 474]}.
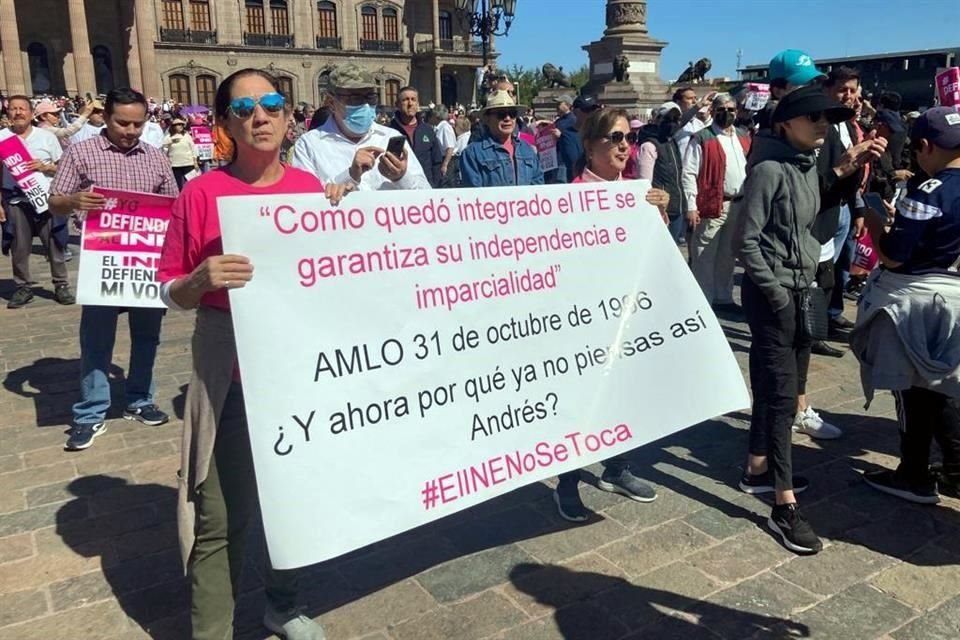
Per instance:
{"type": "Point", "coordinates": [795, 532]}
{"type": "Point", "coordinates": [763, 483]}
{"type": "Point", "coordinates": [896, 485]}
{"type": "Point", "coordinates": [22, 296]}
{"type": "Point", "coordinates": [570, 506]}
{"type": "Point", "coordinates": [627, 484]}
{"type": "Point", "coordinates": [82, 435]}
{"type": "Point", "coordinates": [148, 414]}
{"type": "Point", "coordinates": [63, 295]}
{"type": "Point", "coordinates": [948, 483]}
{"type": "Point", "coordinates": [821, 348]}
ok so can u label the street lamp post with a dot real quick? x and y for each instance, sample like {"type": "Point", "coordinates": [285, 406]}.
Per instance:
{"type": "Point", "coordinates": [485, 21]}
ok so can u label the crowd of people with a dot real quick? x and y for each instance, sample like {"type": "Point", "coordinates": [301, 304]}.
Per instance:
{"type": "Point", "coordinates": [784, 190]}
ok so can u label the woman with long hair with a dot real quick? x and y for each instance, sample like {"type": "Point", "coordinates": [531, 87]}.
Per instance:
{"type": "Point", "coordinates": [606, 150]}
{"type": "Point", "coordinates": [218, 491]}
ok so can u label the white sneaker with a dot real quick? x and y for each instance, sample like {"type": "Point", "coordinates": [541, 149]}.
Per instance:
{"type": "Point", "coordinates": [292, 625]}
{"type": "Point", "coordinates": [810, 423]}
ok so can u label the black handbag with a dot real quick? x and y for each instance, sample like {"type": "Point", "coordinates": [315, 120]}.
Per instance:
{"type": "Point", "coordinates": [813, 313]}
{"type": "Point", "coordinates": [812, 302]}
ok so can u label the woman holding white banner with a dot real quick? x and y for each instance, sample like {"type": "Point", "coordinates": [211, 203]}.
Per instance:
{"type": "Point", "coordinates": [606, 151]}
{"type": "Point", "coordinates": [218, 491]}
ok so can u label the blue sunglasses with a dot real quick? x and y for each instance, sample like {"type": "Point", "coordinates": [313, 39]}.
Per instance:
{"type": "Point", "coordinates": [244, 107]}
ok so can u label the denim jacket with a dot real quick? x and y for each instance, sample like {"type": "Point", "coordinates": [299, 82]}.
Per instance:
{"type": "Point", "coordinates": [485, 163]}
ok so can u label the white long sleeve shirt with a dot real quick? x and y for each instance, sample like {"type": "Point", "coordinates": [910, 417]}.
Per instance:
{"type": "Point", "coordinates": [327, 153]}
{"type": "Point", "coordinates": [736, 167]}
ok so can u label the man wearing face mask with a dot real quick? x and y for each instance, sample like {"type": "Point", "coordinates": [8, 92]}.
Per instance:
{"type": "Point", "coordinates": [350, 147]}
{"type": "Point", "coordinates": [714, 168]}
{"type": "Point", "coordinates": [660, 162]}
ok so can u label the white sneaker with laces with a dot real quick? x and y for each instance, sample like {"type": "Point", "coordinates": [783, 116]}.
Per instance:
{"type": "Point", "coordinates": [809, 422]}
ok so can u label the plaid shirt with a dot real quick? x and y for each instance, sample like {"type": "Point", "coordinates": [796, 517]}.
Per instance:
{"type": "Point", "coordinates": [97, 161]}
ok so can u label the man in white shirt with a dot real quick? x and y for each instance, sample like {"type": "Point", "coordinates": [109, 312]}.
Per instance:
{"type": "Point", "coordinates": [438, 117]}
{"type": "Point", "coordinates": [695, 116]}
{"type": "Point", "coordinates": [350, 147]}
{"type": "Point", "coordinates": [24, 213]}
{"type": "Point", "coordinates": [94, 124]}
{"type": "Point", "coordinates": [714, 168]}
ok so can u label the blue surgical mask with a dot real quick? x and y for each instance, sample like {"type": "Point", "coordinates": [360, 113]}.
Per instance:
{"type": "Point", "coordinates": [358, 119]}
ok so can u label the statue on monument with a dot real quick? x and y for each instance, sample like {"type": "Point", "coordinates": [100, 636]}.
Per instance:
{"type": "Point", "coordinates": [695, 72]}
{"type": "Point", "coordinates": [555, 77]}
{"type": "Point", "coordinates": [621, 66]}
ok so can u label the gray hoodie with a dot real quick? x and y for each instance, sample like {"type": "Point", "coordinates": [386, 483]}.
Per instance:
{"type": "Point", "coordinates": [776, 209]}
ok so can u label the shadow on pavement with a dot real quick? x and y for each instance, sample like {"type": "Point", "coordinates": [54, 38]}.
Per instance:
{"type": "Point", "coordinates": [132, 528]}
{"type": "Point", "coordinates": [57, 384]}
{"type": "Point", "coordinates": [594, 606]}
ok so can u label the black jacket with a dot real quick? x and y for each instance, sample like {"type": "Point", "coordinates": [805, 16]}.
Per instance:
{"type": "Point", "coordinates": [668, 169]}
{"type": "Point", "coordinates": [834, 192]}
{"type": "Point", "coordinates": [426, 147]}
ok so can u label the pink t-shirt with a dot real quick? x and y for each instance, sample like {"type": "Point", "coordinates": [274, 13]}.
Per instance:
{"type": "Point", "coordinates": [194, 231]}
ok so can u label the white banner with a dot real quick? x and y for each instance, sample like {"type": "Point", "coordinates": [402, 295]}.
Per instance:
{"type": "Point", "coordinates": [409, 354]}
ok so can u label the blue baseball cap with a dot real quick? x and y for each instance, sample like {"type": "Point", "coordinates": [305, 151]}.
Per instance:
{"type": "Point", "coordinates": [794, 66]}
{"type": "Point", "coordinates": [940, 126]}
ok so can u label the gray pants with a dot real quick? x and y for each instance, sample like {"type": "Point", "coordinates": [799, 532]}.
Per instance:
{"type": "Point", "coordinates": [26, 225]}
{"type": "Point", "coordinates": [712, 259]}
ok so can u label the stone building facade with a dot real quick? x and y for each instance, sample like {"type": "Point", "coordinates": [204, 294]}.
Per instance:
{"type": "Point", "coordinates": [181, 49]}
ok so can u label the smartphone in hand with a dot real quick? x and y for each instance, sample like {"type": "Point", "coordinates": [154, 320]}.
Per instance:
{"type": "Point", "coordinates": [395, 146]}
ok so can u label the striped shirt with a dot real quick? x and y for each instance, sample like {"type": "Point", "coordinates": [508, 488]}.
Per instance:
{"type": "Point", "coordinates": [97, 161]}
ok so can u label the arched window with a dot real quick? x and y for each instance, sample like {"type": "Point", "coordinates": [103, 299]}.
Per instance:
{"type": "Point", "coordinates": [255, 23]}
{"type": "Point", "coordinates": [172, 11]}
{"type": "Point", "coordinates": [286, 88]}
{"type": "Point", "coordinates": [391, 25]}
{"type": "Point", "coordinates": [39, 68]}
{"type": "Point", "coordinates": [326, 24]}
{"type": "Point", "coordinates": [446, 25]}
{"type": "Point", "coordinates": [180, 89]}
{"type": "Point", "coordinates": [206, 89]}
{"type": "Point", "coordinates": [103, 68]}
{"type": "Point", "coordinates": [279, 17]}
{"type": "Point", "coordinates": [200, 15]}
{"type": "Point", "coordinates": [390, 90]}
{"type": "Point", "coordinates": [369, 30]}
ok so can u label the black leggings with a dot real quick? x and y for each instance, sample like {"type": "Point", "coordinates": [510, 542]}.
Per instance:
{"type": "Point", "coordinates": [926, 416]}
{"type": "Point", "coordinates": [779, 359]}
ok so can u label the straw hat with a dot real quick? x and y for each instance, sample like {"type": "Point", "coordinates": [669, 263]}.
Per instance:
{"type": "Point", "coordinates": [501, 100]}
{"type": "Point", "coordinates": [179, 121]}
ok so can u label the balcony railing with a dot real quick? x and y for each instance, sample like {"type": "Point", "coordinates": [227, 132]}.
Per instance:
{"type": "Point", "coordinates": [284, 41]}
{"type": "Point", "coordinates": [188, 36]}
{"type": "Point", "coordinates": [329, 43]}
{"type": "Point", "coordinates": [381, 45]}
{"type": "Point", "coordinates": [450, 46]}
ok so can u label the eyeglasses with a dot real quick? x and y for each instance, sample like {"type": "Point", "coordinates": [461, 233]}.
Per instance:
{"type": "Point", "coordinates": [725, 109]}
{"type": "Point", "coordinates": [616, 137]}
{"type": "Point", "coordinates": [504, 114]}
{"type": "Point", "coordinates": [815, 117]}
{"type": "Point", "coordinates": [244, 107]}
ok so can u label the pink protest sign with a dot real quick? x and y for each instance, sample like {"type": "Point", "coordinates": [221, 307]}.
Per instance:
{"type": "Point", "coordinates": [16, 157]}
{"type": "Point", "coordinates": [203, 140]}
{"type": "Point", "coordinates": [948, 87]}
{"type": "Point", "coordinates": [121, 248]}
{"type": "Point", "coordinates": [547, 148]}
{"type": "Point", "coordinates": [865, 258]}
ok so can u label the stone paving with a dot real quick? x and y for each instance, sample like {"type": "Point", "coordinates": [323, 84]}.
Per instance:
{"type": "Point", "coordinates": [88, 546]}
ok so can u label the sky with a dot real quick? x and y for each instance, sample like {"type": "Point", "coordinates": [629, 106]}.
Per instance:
{"type": "Point", "coordinates": [555, 30]}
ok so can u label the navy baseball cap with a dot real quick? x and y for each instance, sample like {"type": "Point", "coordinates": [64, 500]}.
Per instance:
{"type": "Point", "coordinates": [794, 66]}
{"type": "Point", "coordinates": [939, 126]}
{"type": "Point", "coordinates": [586, 103]}
{"type": "Point", "coordinates": [891, 119]}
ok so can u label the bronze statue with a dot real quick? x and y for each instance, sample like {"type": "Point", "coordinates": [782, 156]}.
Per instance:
{"type": "Point", "coordinates": [554, 77]}
{"type": "Point", "coordinates": [695, 72]}
{"type": "Point", "coordinates": [621, 66]}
